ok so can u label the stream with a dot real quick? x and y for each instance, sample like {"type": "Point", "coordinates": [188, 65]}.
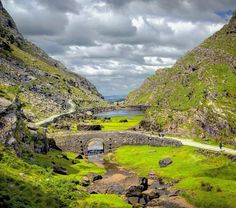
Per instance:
{"type": "Point", "coordinates": [116, 179]}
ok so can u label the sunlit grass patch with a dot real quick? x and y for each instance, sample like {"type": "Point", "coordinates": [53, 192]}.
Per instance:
{"type": "Point", "coordinates": [206, 181]}
{"type": "Point", "coordinates": [104, 201]}
{"type": "Point", "coordinates": [116, 124]}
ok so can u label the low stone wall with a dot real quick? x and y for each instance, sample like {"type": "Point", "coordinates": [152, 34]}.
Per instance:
{"type": "Point", "coordinates": [111, 140]}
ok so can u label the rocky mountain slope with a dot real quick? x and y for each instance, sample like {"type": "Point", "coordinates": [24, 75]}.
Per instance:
{"type": "Point", "coordinates": [197, 96]}
{"type": "Point", "coordinates": [43, 84]}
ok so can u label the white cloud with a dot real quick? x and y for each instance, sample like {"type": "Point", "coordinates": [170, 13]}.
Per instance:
{"type": "Point", "coordinates": [116, 44]}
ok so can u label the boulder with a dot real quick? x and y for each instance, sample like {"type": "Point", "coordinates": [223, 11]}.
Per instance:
{"type": "Point", "coordinates": [96, 177]}
{"type": "Point", "coordinates": [60, 170]}
{"type": "Point", "coordinates": [135, 191]}
{"type": "Point", "coordinates": [115, 189]}
{"type": "Point", "coordinates": [165, 162]}
{"type": "Point", "coordinates": [151, 194]}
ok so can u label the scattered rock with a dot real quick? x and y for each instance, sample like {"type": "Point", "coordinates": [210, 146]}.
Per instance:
{"type": "Point", "coordinates": [85, 183]}
{"type": "Point", "coordinates": [151, 194]}
{"type": "Point", "coordinates": [155, 185]}
{"type": "Point", "coordinates": [165, 162]}
{"type": "Point", "coordinates": [115, 189]}
{"type": "Point", "coordinates": [133, 200]}
{"type": "Point", "coordinates": [64, 156]}
{"type": "Point", "coordinates": [74, 162]}
{"type": "Point", "coordinates": [135, 191]}
{"type": "Point", "coordinates": [123, 121]}
{"type": "Point", "coordinates": [60, 170]}
{"type": "Point", "coordinates": [96, 177]}
{"type": "Point", "coordinates": [79, 157]}
{"type": "Point", "coordinates": [89, 127]}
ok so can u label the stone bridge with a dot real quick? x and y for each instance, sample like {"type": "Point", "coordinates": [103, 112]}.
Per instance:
{"type": "Point", "coordinates": [78, 142]}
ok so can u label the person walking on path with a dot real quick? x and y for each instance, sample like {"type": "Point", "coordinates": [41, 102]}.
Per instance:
{"type": "Point", "coordinates": [221, 145]}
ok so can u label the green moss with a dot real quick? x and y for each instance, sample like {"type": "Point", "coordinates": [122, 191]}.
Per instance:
{"type": "Point", "coordinates": [9, 92]}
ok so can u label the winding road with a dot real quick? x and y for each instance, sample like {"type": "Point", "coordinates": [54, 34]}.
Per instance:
{"type": "Point", "coordinates": [50, 119]}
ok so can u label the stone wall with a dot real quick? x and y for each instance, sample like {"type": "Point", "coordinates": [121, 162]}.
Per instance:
{"type": "Point", "coordinates": [78, 142]}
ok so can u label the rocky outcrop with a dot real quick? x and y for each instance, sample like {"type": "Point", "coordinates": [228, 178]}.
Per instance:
{"type": "Point", "coordinates": [45, 84]}
{"type": "Point", "coordinates": [14, 132]}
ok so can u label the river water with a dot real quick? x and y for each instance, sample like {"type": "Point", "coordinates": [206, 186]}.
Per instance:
{"type": "Point", "coordinates": [122, 112]}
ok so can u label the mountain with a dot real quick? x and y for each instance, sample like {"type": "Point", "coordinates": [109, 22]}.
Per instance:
{"type": "Point", "coordinates": [197, 96]}
{"type": "Point", "coordinates": [43, 84]}
{"type": "Point", "coordinates": [114, 98]}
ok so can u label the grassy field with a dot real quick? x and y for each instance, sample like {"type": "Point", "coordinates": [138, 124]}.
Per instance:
{"type": "Point", "coordinates": [29, 182]}
{"type": "Point", "coordinates": [206, 181]}
{"type": "Point", "coordinates": [104, 201]}
{"type": "Point", "coordinates": [115, 123]}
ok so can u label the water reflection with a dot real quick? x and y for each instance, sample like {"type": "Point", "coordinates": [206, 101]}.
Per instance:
{"type": "Point", "coordinates": [96, 150]}
{"type": "Point", "coordinates": [123, 112]}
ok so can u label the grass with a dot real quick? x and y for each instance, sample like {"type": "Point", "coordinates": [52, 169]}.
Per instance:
{"type": "Point", "coordinates": [104, 201]}
{"type": "Point", "coordinates": [29, 182]}
{"type": "Point", "coordinates": [206, 181]}
{"type": "Point", "coordinates": [115, 123]}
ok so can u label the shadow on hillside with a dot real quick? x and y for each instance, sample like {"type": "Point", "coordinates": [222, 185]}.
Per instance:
{"type": "Point", "coordinates": [16, 193]}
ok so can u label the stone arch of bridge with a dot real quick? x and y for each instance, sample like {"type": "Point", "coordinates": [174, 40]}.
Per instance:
{"type": "Point", "coordinates": [103, 145]}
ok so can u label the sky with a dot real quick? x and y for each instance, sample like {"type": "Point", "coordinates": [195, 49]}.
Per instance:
{"type": "Point", "coordinates": [116, 44]}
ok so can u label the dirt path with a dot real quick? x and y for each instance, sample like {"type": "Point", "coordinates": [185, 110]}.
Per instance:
{"type": "Point", "coordinates": [50, 119]}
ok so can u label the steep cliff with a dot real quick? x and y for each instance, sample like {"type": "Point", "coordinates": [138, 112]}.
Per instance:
{"type": "Point", "coordinates": [197, 96]}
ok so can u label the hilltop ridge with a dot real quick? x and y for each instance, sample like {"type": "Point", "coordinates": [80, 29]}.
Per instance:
{"type": "Point", "coordinates": [196, 97]}
{"type": "Point", "coordinates": [43, 84]}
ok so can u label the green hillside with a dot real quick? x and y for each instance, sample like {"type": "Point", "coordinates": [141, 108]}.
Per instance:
{"type": "Point", "coordinates": [43, 84]}
{"type": "Point", "coordinates": [197, 96]}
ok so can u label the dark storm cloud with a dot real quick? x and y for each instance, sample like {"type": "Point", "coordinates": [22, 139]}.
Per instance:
{"type": "Point", "coordinates": [118, 43]}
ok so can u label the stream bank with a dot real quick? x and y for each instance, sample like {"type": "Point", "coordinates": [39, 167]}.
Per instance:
{"type": "Point", "coordinates": [138, 191]}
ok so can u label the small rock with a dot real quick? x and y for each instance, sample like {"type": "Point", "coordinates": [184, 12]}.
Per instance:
{"type": "Point", "coordinates": [74, 162]}
{"type": "Point", "coordinates": [79, 156]}
{"type": "Point", "coordinates": [60, 170]}
{"type": "Point", "coordinates": [151, 194]}
{"type": "Point", "coordinates": [155, 185]}
{"type": "Point", "coordinates": [174, 193]}
{"type": "Point", "coordinates": [135, 191]}
{"type": "Point", "coordinates": [64, 156]}
{"type": "Point", "coordinates": [96, 177]}
{"type": "Point", "coordinates": [85, 183]}
{"type": "Point", "coordinates": [165, 162]}
{"type": "Point", "coordinates": [115, 189]}
{"type": "Point", "coordinates": [133, 200]}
